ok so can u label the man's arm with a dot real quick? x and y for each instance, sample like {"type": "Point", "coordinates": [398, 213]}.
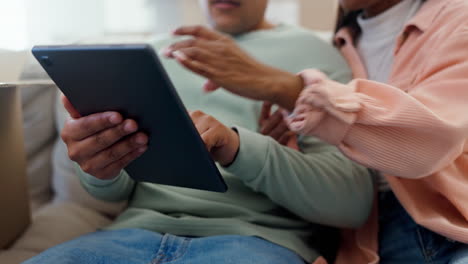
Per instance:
{"type": "Point", "coordinates": [114, 190]}
{"type": "Point", "coordinates": [319, 184]}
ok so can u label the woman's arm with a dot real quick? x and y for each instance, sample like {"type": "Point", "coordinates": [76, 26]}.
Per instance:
{"type": "Point", "coordinates": [407, 134]}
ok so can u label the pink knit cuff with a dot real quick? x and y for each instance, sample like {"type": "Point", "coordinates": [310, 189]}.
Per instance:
{"type": "Point", "coordinates": [325, 108]}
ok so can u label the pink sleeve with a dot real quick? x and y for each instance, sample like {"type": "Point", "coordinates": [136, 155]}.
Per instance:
{"type": "Point", "coordinates": [406, 134]}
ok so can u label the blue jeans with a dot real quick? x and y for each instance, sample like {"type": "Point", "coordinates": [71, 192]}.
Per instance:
{"type": "Point", "coordinates": [403, 241]}
{"type": "Point", "coordinates": [137, 246]}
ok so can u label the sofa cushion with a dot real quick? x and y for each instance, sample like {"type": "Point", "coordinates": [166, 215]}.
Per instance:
{"type": "Point", "coordinates": [16, 256]}
{"type": "Point", "coordinates": [33, 71]}
{"type": "Point", "coordinates": [38, 97]}
{"type": "Point", "coordinates": [53, 224]}
{"type": "Point", "coordinates": [39, 134]}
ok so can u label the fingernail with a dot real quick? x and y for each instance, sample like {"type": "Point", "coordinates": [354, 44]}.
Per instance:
{"type": "Point", "coordinates": [114, 119]}
{"type": "Point", "coordinates": [129, 127]}
{"type": "Point", "coordinates": [208, 90]}
{"type": "Point", "coordinates": [166, 52]}
{"type": "Point", "coordinates": [180, 55]}
{"type": "Point", "coordinates": [141, 140]}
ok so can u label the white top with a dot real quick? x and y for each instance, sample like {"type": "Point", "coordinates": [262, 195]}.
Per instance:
{"type": "Point", "coordinates": [377, 44]}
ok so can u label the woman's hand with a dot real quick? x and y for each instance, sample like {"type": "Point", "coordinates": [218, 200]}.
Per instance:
{"type": "Point", "coordinates": [222, 142]}
{"type": "Point", "coordinates": [218, 58]}
{"type": "Point", "coordinates": [274, 125]}
{"type": "Point", "coordinates": [311, 105]}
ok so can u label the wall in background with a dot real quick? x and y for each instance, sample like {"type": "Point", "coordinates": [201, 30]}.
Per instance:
{"type": "Point", "coordinates": [24, 23]}
{"type": "Point", "coordinates": [51, 21]}
{"type": "Point", "coordinates": [318, 14]}
{"type": "Point", "coordinates": [13, 28]}
{"type": "Point", "coordinates": [313, 14]}
{"type": "Point", "coordinates": [135, 15]}
{"type": "Point", "coordinates": [286, 11]}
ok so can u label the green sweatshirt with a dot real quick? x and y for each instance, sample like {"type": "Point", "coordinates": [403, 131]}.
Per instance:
{"type": "Point", "coordinates": [276, 193]}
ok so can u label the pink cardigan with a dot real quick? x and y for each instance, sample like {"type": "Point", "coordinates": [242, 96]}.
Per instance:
{"type": "Point", "coordinates": [416, 126]}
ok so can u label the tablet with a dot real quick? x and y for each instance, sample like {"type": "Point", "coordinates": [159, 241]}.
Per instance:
{"type": "Point", "coordinates": [131, 80]}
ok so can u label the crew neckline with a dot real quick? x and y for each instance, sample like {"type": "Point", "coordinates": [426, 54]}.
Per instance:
{"type": "Point", "coordinates": [256, 33]}
{"type": "Point", "coordinates": [389, 22]}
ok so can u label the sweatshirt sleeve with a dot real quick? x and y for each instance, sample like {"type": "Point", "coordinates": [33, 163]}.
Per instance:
{"type": "Point", "coordinates": [319, 184]}
{"type": "Point", "coordinates": [409, 134]}
{"type": "Point", "coordinates": [116, 190]}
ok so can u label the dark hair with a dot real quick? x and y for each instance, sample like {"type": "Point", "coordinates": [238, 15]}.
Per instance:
{"type": "Point", "coordinates": [349, 19]}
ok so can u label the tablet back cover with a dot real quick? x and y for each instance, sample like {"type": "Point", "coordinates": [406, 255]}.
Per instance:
{"type": "Point", "coordinates": [130, 79]}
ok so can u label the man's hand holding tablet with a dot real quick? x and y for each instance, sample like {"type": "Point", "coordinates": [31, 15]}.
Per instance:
{"type": "Point", "coordinates": [105, 143]}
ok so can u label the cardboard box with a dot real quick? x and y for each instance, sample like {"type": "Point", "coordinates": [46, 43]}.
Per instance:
{"type": "Point", "coordinates": [14, 200]}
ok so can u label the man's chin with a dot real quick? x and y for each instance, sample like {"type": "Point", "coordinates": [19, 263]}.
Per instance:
{"type": "Point", "coordinates": [229, 28]}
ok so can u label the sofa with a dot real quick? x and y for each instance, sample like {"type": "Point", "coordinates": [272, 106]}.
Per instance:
{"type": "Point", "coordinates": [61, 209]}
